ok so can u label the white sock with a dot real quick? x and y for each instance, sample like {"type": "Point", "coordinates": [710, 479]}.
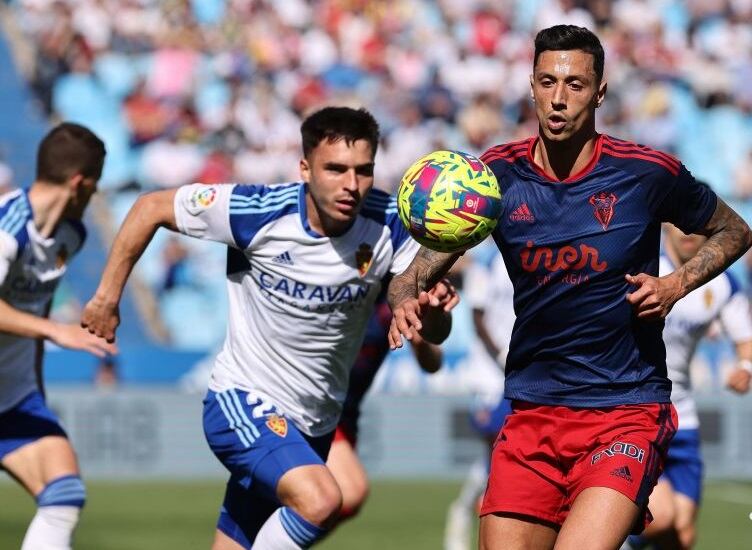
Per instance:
{"type": "Point", "coordinates": [52, 528]}
{"type": "Point", "coordinates": [474, 485]}
{"type": "Point", "coordinates": [286, 530]}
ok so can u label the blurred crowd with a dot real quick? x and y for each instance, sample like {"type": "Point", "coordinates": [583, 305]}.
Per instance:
{"type": "Point", "coordinates": [215, 90]}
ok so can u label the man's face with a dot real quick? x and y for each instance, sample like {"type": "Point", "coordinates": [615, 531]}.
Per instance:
{"type": "Point", "coordinates": [339, 177]}
{"type": "Point", "coordinates": [566, 92]}
{"type": "Point", "coordinates": [684, 246]}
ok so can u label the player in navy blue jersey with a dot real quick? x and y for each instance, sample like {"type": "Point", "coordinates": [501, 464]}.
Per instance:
{"type": "Point", "coordinates": [577, 459]}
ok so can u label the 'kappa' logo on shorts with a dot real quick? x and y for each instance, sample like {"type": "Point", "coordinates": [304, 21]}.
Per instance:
{"type": "Point", "coordinates": [619, 448]}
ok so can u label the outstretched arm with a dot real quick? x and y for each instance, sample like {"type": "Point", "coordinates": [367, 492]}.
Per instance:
{"type": "Point", "coordinates": [729, 237]}
{"type": "Point", "coordinates": [151, 211]}
{"type": "Point", "coordinates": [411, 303]}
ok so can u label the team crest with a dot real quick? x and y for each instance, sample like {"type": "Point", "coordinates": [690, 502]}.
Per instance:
{"type": "Point", "coordinates": [62, 257]}
{"type": "Point", "coordinates": [363, 258]}
{"type": "Point", "coordinates": [277, 424]}
{"type": "Point", "coordinates": [603, 207]}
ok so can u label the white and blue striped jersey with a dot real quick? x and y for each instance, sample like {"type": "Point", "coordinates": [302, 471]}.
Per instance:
{"type": "Point", "coordinates": [30, 268]}
{"type": "Point", "coordinates": [687, 323]}
{"type": "Point", "coordinates": [299, 301]}
{"type": "Point", "coordinates": [487, 287]}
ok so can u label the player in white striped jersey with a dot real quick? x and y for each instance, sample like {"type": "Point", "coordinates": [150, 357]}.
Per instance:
{"type": "Point", "coordinates": [675, 499]}
{"type": "Point", "coordinates": [305, 265]}
{"type": "Point", "coordinates": [40, 230]}
{"type": "Point", "coordinates": [490, 294]}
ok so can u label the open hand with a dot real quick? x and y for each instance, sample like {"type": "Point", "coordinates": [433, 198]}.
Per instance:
{"type": "Point", "coordinates": [75, 337]}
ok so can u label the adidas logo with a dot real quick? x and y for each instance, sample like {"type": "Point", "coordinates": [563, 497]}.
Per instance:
{"type": "Point", "coordinates": [623, 472]}
{"type": "Point", "coordinates": [283, 258]}
{"type": "Point", "coordinates": [522, 214]}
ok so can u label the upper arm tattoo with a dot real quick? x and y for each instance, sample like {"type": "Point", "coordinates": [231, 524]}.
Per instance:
{"type": "Point", "coordinates": [728, 238]}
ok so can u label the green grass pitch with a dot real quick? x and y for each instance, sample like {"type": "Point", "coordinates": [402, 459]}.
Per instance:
{"type": "Point", "coordinates": [166, 515]}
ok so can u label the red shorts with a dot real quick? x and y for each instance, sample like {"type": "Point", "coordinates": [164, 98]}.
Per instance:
{"type": "Point", "coordinates": [545, 456]}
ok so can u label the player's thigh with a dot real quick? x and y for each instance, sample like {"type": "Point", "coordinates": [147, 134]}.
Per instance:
{"type": "Point", "coordinates": [37, 463]}
{"type": "Point", "coordinates": [224, 542]}
{"type": "Point", "coordinates": [348, 471]}
{"type": "Point", "coordinates": [662, 508]}
{"type": "Point", "coordinates": [504, 532]}
{"type": "Point", "coordinates": [600, 519]}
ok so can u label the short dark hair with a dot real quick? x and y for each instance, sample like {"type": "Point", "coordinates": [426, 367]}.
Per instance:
{"type": "Point", "coordinates": [570, 37]}
{"type": "Point", "coordinates": [69, 149]}
{"type": "Point", "coordinates": [335, 123]}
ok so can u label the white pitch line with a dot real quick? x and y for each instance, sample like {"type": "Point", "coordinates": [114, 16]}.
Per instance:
{"type": "Point", "coordinates": [733, 495]}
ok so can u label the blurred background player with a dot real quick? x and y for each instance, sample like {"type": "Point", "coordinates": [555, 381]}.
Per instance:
{"type": "Point", "coordinates": [343, 460]}
{"type": "Point", "coordinates": [576, 460]}
{"type": "Point", "coordinates": [488, 291]}
{"type": "Point", "coordinates": [675, 500]}
{"type": "Point", "coordinates": [304, 268]}
{"type": "Point", "coordinates": [40, 231]}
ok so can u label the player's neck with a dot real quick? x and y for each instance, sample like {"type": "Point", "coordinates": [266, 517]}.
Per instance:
{"type": "Point", "coordinates": [562, 159]}
{"type": "Point", "coordinates": [48, 204]}
{"type": "Point", "coordinates": [321, 224]}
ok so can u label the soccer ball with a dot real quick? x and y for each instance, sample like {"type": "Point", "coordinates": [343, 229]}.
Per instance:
{"type": "Point", "coordinates": [449, 201]}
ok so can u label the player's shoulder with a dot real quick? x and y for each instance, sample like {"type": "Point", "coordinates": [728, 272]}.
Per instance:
{"type": "Point", "coordinates": [15, 212]}
{"type": "Point", "coordinates": [500, 157]}
{"type": "Point", "coordinates": [638, 158]}
{"type": "Point", "coordinates": [731, 281]}
{"type": "Point", "coordinates": [380, 207]}
{"type": "Point", "coordinates": [265, 194]}
{"type": "Point", "coordinates": [253, 207]}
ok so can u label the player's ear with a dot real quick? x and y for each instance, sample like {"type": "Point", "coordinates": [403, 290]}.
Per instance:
{"type": "Point", "coordinates": [305, 170]}
{"type": "Point", "coordinates": [600, 95]}
{"type": "Point", "coordinates": [74, 183]}
{"type": "Point", "coordinates": [532, 93]}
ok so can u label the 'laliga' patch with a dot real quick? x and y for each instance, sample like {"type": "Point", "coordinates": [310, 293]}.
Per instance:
{"type": "Point", "coordinates": [202, 197]}
{"type": "Point", "coordinates": [277, 424]}
{"type": "Point", "coordinates": [363, 258]}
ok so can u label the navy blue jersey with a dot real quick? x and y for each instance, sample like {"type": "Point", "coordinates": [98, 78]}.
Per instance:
{"type": "Point", "coordinates": [567, 246]}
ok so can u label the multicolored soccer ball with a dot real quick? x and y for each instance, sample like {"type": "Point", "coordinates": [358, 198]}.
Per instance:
{"type": "Point", "coordinates": [449, 201]}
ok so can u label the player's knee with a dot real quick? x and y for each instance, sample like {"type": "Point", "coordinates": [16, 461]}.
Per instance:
{"type": "Point", "coordinates": [354, 498]}
{"type": "Point", "coordinates": [663, 519]}
{"type": "Point", "coordinates": [321, 503]}
{"type": "Point", "coordinates": [63, 491]}
{"type": "Point", "coordinates": [687, 535]}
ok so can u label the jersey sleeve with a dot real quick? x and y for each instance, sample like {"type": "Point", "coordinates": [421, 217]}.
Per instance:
{"type": "Point", "coordinates": [688, 204]}
{"type": "Point", "coordinates": [203, 211]}
{"type": "Point", "coordinates": [404, 246]}
{"type": "Point", "coordinates": [8, 253]}
{"type": "Point", "coordinates": [736, 316]}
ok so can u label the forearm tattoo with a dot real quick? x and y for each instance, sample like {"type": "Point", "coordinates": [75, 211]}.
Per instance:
{"type": "Point", "coordinates": [728, 238]}
{"type": "Point", "coordinates": [426, 269]}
